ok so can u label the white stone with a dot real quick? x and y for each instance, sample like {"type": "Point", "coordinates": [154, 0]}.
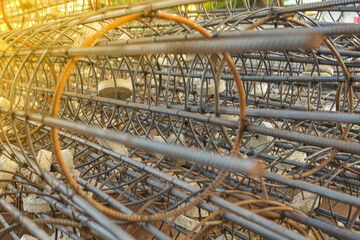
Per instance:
{"type": "Point", "coordinates": [4, 102]}
{"type": "Point", "coordinates": [27, 4]}
{"type": "Point", "coordinates": [34, 204]}
{"type": "Point", "coordinates": [327, 237]}
{"type": "Point", "coordinates": [159, 139]}
{"type": "Point", "coordinates": [107, 88]}
{"type": "Point", "coordinates": [68, 159]}
{"type": "Point", "coordinates": [315, 74]}
{"type": "Point", "coordinates": [3, 45]}
{"type": "Point", "coordinates": [162, 60]}
{"type": "Point", "coordinates": [217, 136]}
{"type": "Point", "coordinates": [215, 60]}
{"type": "Point", "coordinates": [8, 165]}
{"type": "Point", "coordinates": [211, 87]}
{"type": "Point", "coordinates": [296, 156]}
{"type": "Point", "coordinates": [187, 223]}
{"type": "Point", "coordinates": [86, 32]}
{"type": "Point", "coordinates": [230, 117]}
{"type": "Point", "coordinates": [330, 107]}
{"type": "Point", "coordinates": [172, 138]}
{"type": "Point", "coordinates": [340, 224]}
{"type": "Point", "coordinates": [261, 89]}
{"type": "Point", "coordinates": [75, 105]}
{"type": "Point", "coordinates": [27, 237]}
{"type": "Point", "coordinates": [258, 141]}
{"type": "Point", "coordinates": [325, 69]}
{"type": "Point", "coordinates": [44, 159]}
{"type": "Point", "coordinates": [72, 150]}
{"type": "Point", "coordinates": [8, 130]}
{"type": "Point", "coordinates": [339, 16]}
{"type": "Point", "coordinates": [194, 212]}
{"type": "Point", "coordinates": [189, 57]}
{"type": "Point", "coordinates": [213, 57]}
{"type": "Point", "coordinates": [303, 104]}
{"type": "Point", "coordinates": [54, 12]}
{"type": "Point", "coordinates": [115, 146]}
{"type": "Point", "coordinates": [305, 203]}
{"type": "Point", "coordinates": [75, 108]}
{"type": "Point", "coordinates": [124, 36]}
{"type": "Point", "coordinates": [103, 3]}
{"type": "Point", "coordinates": [19, 102]}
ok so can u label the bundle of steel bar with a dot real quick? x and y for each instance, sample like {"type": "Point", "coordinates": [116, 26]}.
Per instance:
{"type": "Point", "coordinates": [183, 119]}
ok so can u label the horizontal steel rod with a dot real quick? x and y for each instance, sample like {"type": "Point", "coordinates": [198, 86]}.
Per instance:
{"type": "Point", "coordinates": [290, 42]}
{"type": "Point", "coordinates": [280, 33]}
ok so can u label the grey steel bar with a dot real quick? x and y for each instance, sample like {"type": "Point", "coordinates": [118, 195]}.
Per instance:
{"type": "Point", "coordinates": [25, 221]}
{"type": "Point", "coordinates": [280, 33]}
{"type": "Point", "coordinates": [338, 196]}
{"type": "Point", "coordinates": [101, 230]}
{"type": "Point", "coordinates": [3, 222]}
{"type": "Point", "coordinates": [306, 7]}
{"type": "Point", "coordinates": [117, 232]}
{"type": "Point", "coordinates": [354, 201]}
{"type": "Point", "coordinates": [178, 111]}
{"type": "Point", "coordinates": [256, 227]}
{"type": "Point", "coordinates": [289, 42]}
{"type": "Point", "coordinates": [198, 157]}
{"type": "Point", "coordinates": [306, 139]}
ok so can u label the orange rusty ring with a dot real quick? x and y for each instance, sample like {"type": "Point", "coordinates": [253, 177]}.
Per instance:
{"type": "Point", "coordinates": [57, 98]}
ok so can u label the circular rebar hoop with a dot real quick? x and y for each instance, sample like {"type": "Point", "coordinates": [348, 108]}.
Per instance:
{"type": "Point", "coordinates": [165, 153]}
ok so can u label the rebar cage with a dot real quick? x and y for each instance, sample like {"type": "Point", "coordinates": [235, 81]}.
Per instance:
{"type": "Point", "coordinates": [179, 119]}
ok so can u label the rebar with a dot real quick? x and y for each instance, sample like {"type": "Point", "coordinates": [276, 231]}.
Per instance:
{"type": "Point", "coordinates": [184, 119]}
